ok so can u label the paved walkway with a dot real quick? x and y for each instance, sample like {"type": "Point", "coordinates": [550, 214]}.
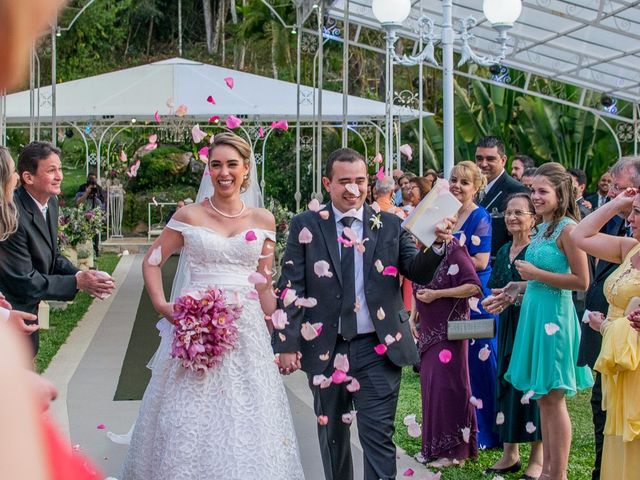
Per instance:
{"type": "Point", "coordinates": [87, 368]}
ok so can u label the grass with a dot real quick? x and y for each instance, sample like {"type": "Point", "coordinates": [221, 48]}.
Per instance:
{"type": "Point", "coordinates": [582, 449]}
{"type": "Point", "coordinates": [62, 322]}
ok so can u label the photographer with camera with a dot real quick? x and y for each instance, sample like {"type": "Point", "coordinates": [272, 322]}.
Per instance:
{"type": "Point", "coordinates": [92, 196]}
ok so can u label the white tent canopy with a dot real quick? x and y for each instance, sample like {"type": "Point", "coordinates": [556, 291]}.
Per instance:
{"type": "Point", "coordinates": [138, 92]}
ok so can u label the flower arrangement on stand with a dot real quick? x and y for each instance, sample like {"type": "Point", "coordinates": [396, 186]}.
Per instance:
{"type": "Point", "coordinates": [76, 229]}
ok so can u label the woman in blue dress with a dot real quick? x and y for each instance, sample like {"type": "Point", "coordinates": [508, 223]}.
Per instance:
{"type": "Point", "coordinates": [545, 350]}
{"type": "Point", "coordinates": [474, 230]}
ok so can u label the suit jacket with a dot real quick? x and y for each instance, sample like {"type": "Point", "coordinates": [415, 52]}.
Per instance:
{"type": "Point", "coordinates": [31, 266]}
{"type": "Point", "coordinates": [595, 301]}
{"type": "Point", "coordinates": [390, 244]}
{"type": "Point", "coordinates": [495, 201]}
{"type": "Point", "coordinates": [593, 200]}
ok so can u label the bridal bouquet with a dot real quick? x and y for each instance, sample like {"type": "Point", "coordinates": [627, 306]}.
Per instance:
{"type": "Point", "coordinates": [205, 328]}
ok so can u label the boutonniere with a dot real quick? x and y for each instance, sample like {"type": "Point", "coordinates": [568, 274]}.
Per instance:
{"type": "Point", "coordinates": [376, 221]}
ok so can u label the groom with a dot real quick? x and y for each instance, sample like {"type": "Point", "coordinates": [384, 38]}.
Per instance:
{"type": "Point", "coordinates": [360, 309]}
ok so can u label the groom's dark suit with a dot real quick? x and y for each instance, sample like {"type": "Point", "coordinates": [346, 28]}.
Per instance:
{"type": "Point", "coordinates": [31, 266]}
{"type": "Point", "coordinates": [378, 375]}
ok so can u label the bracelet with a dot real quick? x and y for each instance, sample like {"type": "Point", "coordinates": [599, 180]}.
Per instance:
{"type": "Point", "coordinates": [518, 300]}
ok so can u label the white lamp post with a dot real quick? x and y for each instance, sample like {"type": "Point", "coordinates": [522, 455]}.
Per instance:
{"type": "Point", "coordinates": [391, 14]}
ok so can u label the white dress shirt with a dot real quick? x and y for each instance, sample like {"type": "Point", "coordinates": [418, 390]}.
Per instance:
{"type": "Point", "coordinates": [492, 183]}
{"type": "Point", "coordinates": [43, 208]}
{"type": "Point", "coordinates": [363, 317]}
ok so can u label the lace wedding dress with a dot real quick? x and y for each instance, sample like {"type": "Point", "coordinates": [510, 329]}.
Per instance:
{"type": "Point", "coordinates": [234, 421]}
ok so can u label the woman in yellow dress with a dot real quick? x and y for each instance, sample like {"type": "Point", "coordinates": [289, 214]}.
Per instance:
{"type": "Point", "coordinates": [619, 359]}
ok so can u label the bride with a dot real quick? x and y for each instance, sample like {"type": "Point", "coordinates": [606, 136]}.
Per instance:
{"type": "Point", "coordinates": [234, 421]}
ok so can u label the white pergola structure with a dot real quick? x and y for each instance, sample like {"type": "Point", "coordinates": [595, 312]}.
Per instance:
{"type": "Point", "coordinates": [102, 106]}
{"type": "Point", "coordinates": [591, 44]}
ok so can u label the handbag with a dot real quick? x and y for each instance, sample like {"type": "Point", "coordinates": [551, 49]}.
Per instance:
{"type": "Point", "coordinates": [470, 329]}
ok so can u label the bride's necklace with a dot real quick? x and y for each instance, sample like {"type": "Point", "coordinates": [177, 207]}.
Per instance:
{"type": "Point", "coordinates": [235, 215]}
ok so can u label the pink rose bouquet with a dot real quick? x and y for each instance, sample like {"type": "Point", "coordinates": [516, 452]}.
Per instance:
{"type": "Point", "coordinates": [205, 328]}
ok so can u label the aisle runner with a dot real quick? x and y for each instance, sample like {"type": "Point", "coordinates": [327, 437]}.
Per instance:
{"type": "Point", "coordinates": [144, 341]}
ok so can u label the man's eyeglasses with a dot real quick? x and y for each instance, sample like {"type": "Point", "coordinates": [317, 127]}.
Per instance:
{"type": "Point", "coordinates": [517, 213]}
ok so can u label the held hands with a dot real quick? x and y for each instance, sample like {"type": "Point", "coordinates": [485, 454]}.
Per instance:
{"type": "Point", "coordinates": [526, 270]}
{"type": "Point", "coordinates": [97, 284]}
{"type": "Point", "coordinates": [289, 362]}
{"type": "Point", "coordinates": [634, 319]}
{"type": "Point", "coordinates": [596, 319]}
{"type": "Point", "coordinates": [426, 295]}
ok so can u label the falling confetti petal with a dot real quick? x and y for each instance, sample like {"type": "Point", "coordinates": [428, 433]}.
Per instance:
{"type": "Point", "coordinates": [380, 314]}
{"type": "Point", "coordinates": [484, 353]}
{"type": "Point", "coordinates": [338, 377]}
{"type": "Point", "coordinates": [408, 472]}
{"type": "Point", "coordinates": [252, 295]}
{"type": "Point", "coordinates": [353, 386]}
{"type": "Point", "coordinates": [257, 278]}
{"type": "Point", "coordinates": [463, 239]}
{"type": "Point", "coordinates": [319, 380]}
{"type": "Point", "coordinates": [526, 397]}
{"type": "Point", "coordinates": [288, 296]}
{"type": "Point", "coordinates": [155, 258]}
{"type": "Point", "coordinates": [197, 134]}
{"type": "Point", "coordinates": [500, 418]}
{"type": "Point", "coordinates": [476, 402]}
{"type": "Point", "coordinates": [280, 125]}
{"type": "Point", "coordinates": [341, 362]}
{"type": "Point", "coordinates": [414, 430]}
{"type": "Point", "coordinates": [407, 151]}
{"type": "Point", "coordinates": [380, 174]}
{"type": "Point", "coordinates": [380, 349]}
{"type": "Point", "coordinates": [379, 266]}
{"type": "Point", "coordinates": [466, 433]}
{"type": "Point", "coordinates": [181, 111]}
{"type": "Point", "coordinates": [445, 355]}
{"type": "Point", "coordinates": [377, 158]}
{"type": "Point", "coordinates": [473, 304]}
{"type": "Point", "coordinates": [279, 319]}
{"type": "Point", "coordinates": [348, 417]}
{"type": "Point", "coordinates": [530, 427]}
{"type": "Point", "coordinates": [203, 154]}
{"type": "Point", "coordinates": [323, 420]}
{"type": "Point", "coordinates": [353, 189]}
{"type": "Point", "coordinates": [123, 156]}
{"type": "Point", "coordinates": [398, 336]}
{"type": "Point", "coordinates": [315, 206]}
{"type": "Point", "coordinates": [322, 269]}
{"type": "Point", "coordinates": [409, 419]}
{"type": "Point", "coordinates": [250, 236]}
{"type": "Point", "coordinates": [305, 236]}
{"type": "Point", "coordinates": [375, 206]}
{"type": "Point", "coordinates": [475, 240]}
{"type": "Point", "coordinates": [324, 214]}
{"type": "Point", "coordinates": [211, 100]}
{"type": "Point", "coordinates": [390, 270]}
{"type": "Point", "coordinates": [233, 122]}
{"type": "Point", "coordinates": [282, 337]}
{"type": "Point", "coordinates": [229, 81]}
{"type": "Point", "coordinates": [551, 328]}
{"type": "Point", "coordinates": [101, 426]}
{"type": "Point", "coordinates": [306, 302]}
{"type": "Point", "coordinates": [454, 269]}
{"type": "Point", "coordinates": [324, 356]}
{"type": "Point", "coordinates": [156, 117]}
{"type": "Point", "coordinates": [388, 340]}
{"type": "Point", "coordinates": [214, 119]}
{"type": "Point", "coordinates": [309, 331]}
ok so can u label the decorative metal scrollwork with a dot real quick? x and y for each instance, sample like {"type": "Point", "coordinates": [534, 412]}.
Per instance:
{"type": "Point", "coordinates": [308, 44]}
{"type": "Point", "coordinates": [306, 144]}
{"type": "Point", "coordinates": [406, 98]}
{"type": "Point", "coordinates": [625, 132]}
{"type": "Point", "coordinates": [330, 28]}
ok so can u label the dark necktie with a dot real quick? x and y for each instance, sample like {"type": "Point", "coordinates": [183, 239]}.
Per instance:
{"type": "Point", "coordinates": [348, 323]}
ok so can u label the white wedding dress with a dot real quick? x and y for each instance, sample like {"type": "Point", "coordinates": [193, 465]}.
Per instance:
{"type": "Point", "coordinates": [233, 422]}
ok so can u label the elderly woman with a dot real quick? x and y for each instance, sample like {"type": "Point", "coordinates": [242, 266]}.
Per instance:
{"type": "Point", "coordinates": [448, 418]}
{"type": "Point", "coordinates": [474, 231]}
{"type": "Point", "coordinates": [383, 192]}
{"type": "Point", "coordinates": [619, 359]}
{"type": "Point", "coordinates": [419, 187]}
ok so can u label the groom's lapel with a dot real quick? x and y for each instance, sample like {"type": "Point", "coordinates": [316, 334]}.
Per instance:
{"type": "Point", "coordinates": [328, 229]}
{"type": "Point", "coordinates": [370, 245]}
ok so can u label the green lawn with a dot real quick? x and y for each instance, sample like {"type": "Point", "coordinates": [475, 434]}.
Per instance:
{"type": "Point", "coordinates": [62, 322]}
{"type": "Point", "coordinates": [582, 453]}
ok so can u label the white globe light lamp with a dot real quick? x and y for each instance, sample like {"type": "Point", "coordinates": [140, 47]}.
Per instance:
{"type": "Point", "coordinates": [391, 12]}
{"type": "Point", "coordinates": [502, 14]}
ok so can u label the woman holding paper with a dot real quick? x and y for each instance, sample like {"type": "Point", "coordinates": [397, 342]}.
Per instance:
{"type": "Point", "coordinates": [474, 230]}
{"type": "Point", "coordinates": [620, 354]}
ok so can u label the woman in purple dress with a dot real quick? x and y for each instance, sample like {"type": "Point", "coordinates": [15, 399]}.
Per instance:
{"type": "Point", "coordinates": [448, 414]}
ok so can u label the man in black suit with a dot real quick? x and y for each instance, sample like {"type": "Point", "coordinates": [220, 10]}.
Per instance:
{"type": "Point", "coordinates": [31, 266]}
{"type": "Point", "coordinates": [580, 183]}
{"type": "Point", "coordinates": [625, 173]}
{"type": "Point", "coordinates": [361, 313]}
{"type": "Point", "coordinates": [491, 158]}
{"type": "Point", "coordinates": [600, 197]}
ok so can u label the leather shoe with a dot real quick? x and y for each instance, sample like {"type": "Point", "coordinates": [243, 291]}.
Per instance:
{"type": "Point", "coordinates": [512, 469]}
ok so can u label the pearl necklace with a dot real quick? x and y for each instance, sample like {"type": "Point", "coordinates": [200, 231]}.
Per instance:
{"type": "Point", "coordinates": [226, 214]}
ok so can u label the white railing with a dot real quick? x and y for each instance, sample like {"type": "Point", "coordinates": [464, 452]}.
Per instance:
{"type": "Point", "coordinates": [151, 231]}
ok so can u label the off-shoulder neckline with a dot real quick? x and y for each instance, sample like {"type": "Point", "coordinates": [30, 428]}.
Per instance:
{"type": "Point", "coordinates": [243, 232]}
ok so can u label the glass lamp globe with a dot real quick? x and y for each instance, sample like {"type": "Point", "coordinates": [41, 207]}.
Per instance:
{"type": "Point", "coordinates": [392, 12]}
{"type": "Point", "coordinates": [502, 12]}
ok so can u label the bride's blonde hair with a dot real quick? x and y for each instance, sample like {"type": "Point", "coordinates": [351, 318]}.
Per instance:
{"type": "Point", "coordinates": [241, 146]}
{"type": "Point", "coordinates": [8, 211]}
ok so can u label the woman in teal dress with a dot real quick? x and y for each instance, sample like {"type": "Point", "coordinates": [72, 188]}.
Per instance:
{"type": "Point", "coordinates": [545, 350]}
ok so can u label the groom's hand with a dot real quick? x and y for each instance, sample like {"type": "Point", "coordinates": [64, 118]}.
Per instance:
{"type": "Point", "coordinates": [444, 230]}
{"type": "Point", "coordinates": [289, 362]}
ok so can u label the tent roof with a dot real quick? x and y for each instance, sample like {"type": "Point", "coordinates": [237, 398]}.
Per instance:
{"type": "Point", "coordinates": [138, 92]}
{"type": "Point", "coordinates": [594, 44]}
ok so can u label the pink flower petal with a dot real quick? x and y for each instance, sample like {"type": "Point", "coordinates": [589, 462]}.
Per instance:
{"type": "Point", "coordinates": [375, 206]}
{"type": "Point", "coordinates": [409, 419]}
{"type": "Point", "coordinates": [379, 266]}
{"type": "Point", "coordinates": [309, 302]}
{"type": "Point", "coordinates": [466, 434]}
{"type": "Point", "coordinates": [380, 349]}
{"type": "Point", "coordinates": [526, 397]}
{"type": "Point", "coordinates": [315, 206]}
{"type": "Point", "coordinates": [229, 81]}
{"type": "Point", "coordinates": [324, 214]}
{"type": "Point", "coordinates": [475, 240]}
{"type": "Point", "coordinates": [378, 158]}
{"type": "Point", "coordinates": [530, 427]}
{"type": "Point", "coordinates": [341, 362]}
{"type": "Point", "coordinates": [211, 100]}
{"type": "Point", "coordinates": [323, 420]}
{"type": "Point", "coordinates": [388, 340]}
{"type": "Point", "coordinates": [476, 402]}
{"type": "Point", "coordinates": [463, 239]}
{"type": "Point", "coordinates": [155, 258]}
{"type": "Point", "coordinates": [280, 125]}
{"type": "Point", "coordinates": [214, 119]}
{"type": "Point", "coordinates": [551, 328]}
{"type": "Point", "coordinates": [390, 270]}
{"type": "Point", "coordinates": [261, 132]}
{"type": "Point", "coordinates": [398, 336]}
{"type": "Point", "coordinates": [345, 242]}
{"type": "Point", "coordinates": [414, 430]}
{"type": "Point", "coordinates": [308, 331]}
{"type": "Point", "coordinates": [203, 154]}
{"type": "Point", "coordinates": [380, 174]}
{"type": "Point", "coordinates": [252, 295]}
{"type": "Point", "coordinates": [380, 314]}
{"type": "Point", "coordinates": [282, 337]}
{"type": "Point", "coordinates": [101, 426]}
{"type": "Point", "coordinates": [257, 278]}
{"type": "Point", "coordinates": [499, 418]}
{"type": "Point", "coordinates": [233, 122]}
{"type": "Point", "coordinates": [445, 356]}
{"type": "Point", "coordinates": [454, 269]}
{"type": "Point", "coordinates": [197, 134]}
{"type": "Point", "coordinates": [408, 472]}
{"type": "Point", "coordinates": [250, 236]}
{"type": "Point", "coordinates": [156, 117]}
{"type": "Point", "coordinates": [407, 151]}
{"type": "Point", "coordinates": [305, 236]}
{"type": "Point", "coordinates": [473, 304]}
{"type": "Point", "coordinates": [181, 111]}
{"type": "Point", "coordinates": [324, 356]}
{"type": "Point", "coordinates": [288, 296]}
{"type": "Point", "coordinates": [338, 376]}
{"type": "Point", "coordinates": [322, 269]}
{"type": "Point", "coordinates": [279, 319]}
{"type": "Point", "coordinates": [348, 417]}
{"type": "Point", "coordinates": [353, 189]}
{"type": "Point", "coordinates": [484, 353]}
{"type": "Point", "coordinates": [353, 386]}
{"type": "Point", "coordinates": [123, 156]}
{"type": "Point", "coordinates": [153, 138]}
{"type": "Point", "coordinates": [318, 380]}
